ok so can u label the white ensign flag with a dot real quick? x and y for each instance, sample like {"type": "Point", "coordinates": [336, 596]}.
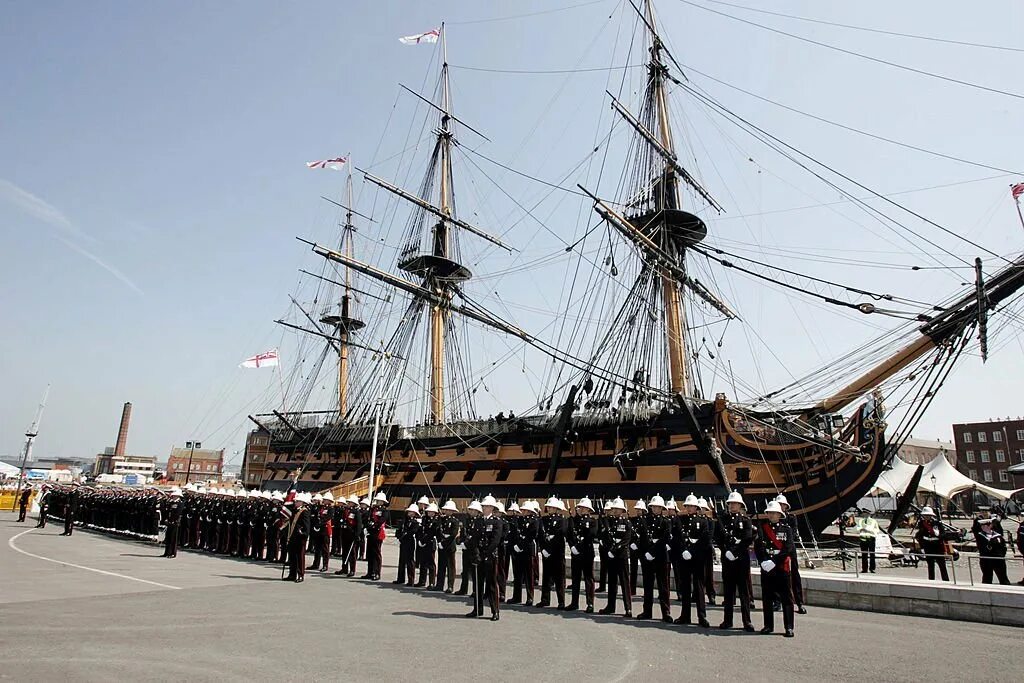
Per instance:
{"type": "Point", "coordinates": [428, 37]}
{"type": "Point", "coordinates": [267, 359]}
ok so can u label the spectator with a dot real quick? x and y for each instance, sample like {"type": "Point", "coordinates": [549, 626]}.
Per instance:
{"type": "Point", "coordinates": [868, 530]}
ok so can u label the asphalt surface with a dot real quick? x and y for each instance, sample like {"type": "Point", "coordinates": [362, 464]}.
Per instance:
{"type": "Point", "coordinates": [96, 608]}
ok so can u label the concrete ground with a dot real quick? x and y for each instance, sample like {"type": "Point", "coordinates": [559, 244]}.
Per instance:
{"type": "Point", "coordinates": [95, 608]}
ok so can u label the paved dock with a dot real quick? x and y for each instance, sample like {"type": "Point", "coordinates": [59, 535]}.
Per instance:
{"type": "Point", "coordinates": [96, 608]}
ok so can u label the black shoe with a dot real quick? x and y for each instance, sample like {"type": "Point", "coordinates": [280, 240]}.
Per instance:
{"type": "Point", "coordinates": [667, 618]}
{"type": "Point", "coordinates": [448, 591]}
{"type": "Point", "coordinates": [513, 601]}
{"type": "Point", "coordinates": [776, 606]}
{"type": "Point", "coordinates": [789, 633]}
{"type": "Point", "coordinates": [528, 603]}
{"type": "Point", "coordinates": [749, 628]}
{"type": "Point", "coordinates": [465, 592]}
{"type": "Point", "coordinates": [751, 605]}
{"type": "Point", "coordinates": [396, 581]}
{"type": "Point", "coordinates": [420, 585]}
{"type": "Point", "coordinates": [682, 621]}
{"type": "Point", "coordinates": [767, 630]}
{"type": "Point", "coordinates": [704, 623]}
{"type": "Point", "coordinates": [494, 617]}
{"type": "Point", "coordinates": [801, 610]}
{"type": "Point", "coordinates": [627, 615]}
{"type": "Point", "coordinates": [606, 610]}
{"type": "Point", "coordinates": [366, 576]}
{"type": "Point", "coordinates": [340, 572]}
{"type": "Point", "coordinates": [542, 605]}
{"type": "Point", "coordinates": [725, 625]}
{"type": "Point", "coordinates": [711, 601]}
{"type": "Point", "coordinates": [471, 615]}
{"type": "Point", "coordinates": [644, 615]}
{"type": "Point", "coordinates": [590, 609]}
{"type": "Point", "coordinates": [572, 607]}
{"type": "Point", "coordinates": [300, 579]}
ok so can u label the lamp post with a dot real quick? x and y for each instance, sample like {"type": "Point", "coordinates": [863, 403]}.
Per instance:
{"type": "Point", "coordinates": [830, 422]}
{"type": "Point", "coordinates": [935, 493]}
{"type": "Point", "coordinates": [191, 446]}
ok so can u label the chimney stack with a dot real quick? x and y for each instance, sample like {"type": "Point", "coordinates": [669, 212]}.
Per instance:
{"type": "Point", "coordinates": [122, 432]}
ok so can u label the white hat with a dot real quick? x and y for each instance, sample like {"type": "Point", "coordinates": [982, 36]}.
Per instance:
{"type": "Point", "coordinates": [531, 506]}
{"type": "Point", "coordinates": [413, 507]}
{"type": "Point", "coordinates": [640, 505]}
{"type": "Point", "coordinates": [702, 503]}
{"type": "Point", "coordinates": [781, 498]}
{"type": "Point", "coordinates": [692, 500]}
{"type": "Point", "coordinates": [304, 497]}
{"type": "Point", "coordinates": [489, 500]}
{"type": "Point", "coordinates": [176, 492]}
{"type": "Point", "coordinates": [277, 495]}
{"type": "Point", "coordinates": [554, 502]}
{"type": "Point", "coordinates": [242, 493]}
{"type": "Point", "coordinates": [450, 506]}
{"type": "Point", "coordinates": [671, 504]}
{"type": "Point", "coordinates": [317, 497]}
{"type": "Point", "coordinates": [657, 501]}
{"type": "Point", "coordinates": [423, 501]}
{"type": "Point", "coordinates": [925, 511]}
{"type": "Point", "coordinates": [607, 505]}
{"type": "Point", "coordinates": [774, 506]}
{"type": "Point", "coordinates": [432, 507]}
{"type": "Point", "coordinates": [617, 504]}
{"type": "Point", "coordinates": [475, 505]}
{"type": "Point", "coordinates": [230, 492]}
{"type": "Point", "coordinates": [501, 507]}
{"type": "Point", "coordinates": [585, 503]}
{"type": "Point", "coordinates": [329, 496]}
{"type": "Point", "coordinates": [365, 501]}
{"type": "Point", "coordinates": [514, 507]}
{"type": "Point", "coordinates": [380, 497]}
{"type": "Point", "coordinates": [735, 497]}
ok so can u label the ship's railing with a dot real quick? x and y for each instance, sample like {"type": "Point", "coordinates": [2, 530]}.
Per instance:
{"type": "Point", "coordinates": [359, 486]}
{"type": "Point", "coordinates": [471, 428]}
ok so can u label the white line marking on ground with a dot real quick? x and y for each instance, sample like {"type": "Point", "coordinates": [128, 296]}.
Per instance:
{"type": "Point", "coordinates": [11, 541]}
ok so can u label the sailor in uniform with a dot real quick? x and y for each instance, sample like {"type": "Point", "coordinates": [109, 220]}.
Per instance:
{"type": "Point", "coordinates": [775, 549]}
{"type": "Point", "coordinates": [616, 539]}
{"type": "Point", "coordinates": [734, 535]}
{"type": "Point", "coordinates": [690, 548]}
{"type": "Point", "coordinates": [490, 530]}
{"type": "Point", "coordinates": [552, 549]}
{"type": "Point", "coordinates": [583, 534]}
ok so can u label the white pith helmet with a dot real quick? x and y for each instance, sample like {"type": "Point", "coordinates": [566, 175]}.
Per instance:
{"type": "Point", "coordinates": [657, 502]}
{"type": "Point", "coordinates": [413, 507]}
{"type": "Point", "coordinates": [489, 501]}
{"type": "Point", "coordinates": [585, 503]}
{"type": "Point", "coordinates": [735, 497]}
{"type": "Point", "coordinates": [329, 497]}
{"type": "Point", "coordinates": [781, 499]}
{"type": "Point", "coordinates": [702, 503]}
{"type": "Point", "coordinates": [475, 505]}
{"type": "Point", "coordinates": [692, 500]}
{"type": "Point", "coordinates": [433, 508]}
{"type": "Point", "coordinates": [380, 497]}
{"type": "Point", "coordinates": [640, 505]}
{"type": "Point", "coordinates": [423, 501]}
{"type": "Point", "coordinates": [450, 506]}
{"type": "Point", "coordinates": [617, 504]}
{"type": "Point", "coordinates": [774, 506]}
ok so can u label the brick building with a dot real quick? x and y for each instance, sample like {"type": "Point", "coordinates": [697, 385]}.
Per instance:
{"type": "Point", "coordinates": [206, 464]}
{"type": "Point", "coordinates": [257, 450]}
{"type": "Point", "coordinates": [923, 451]}
{"type": "Point", "coordinates": [987, 449]}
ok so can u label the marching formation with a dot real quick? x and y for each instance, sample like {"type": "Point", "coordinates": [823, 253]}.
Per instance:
{"type": "Point", "coordinates": [670, 547]}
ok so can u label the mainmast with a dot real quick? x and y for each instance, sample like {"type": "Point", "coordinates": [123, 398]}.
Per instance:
{"type": "Point", "coordinates": [668, 199]}
{"type": "Point", "coordinates": [343, 321]}
{"type": "Point", "coordinates": [439, 309]}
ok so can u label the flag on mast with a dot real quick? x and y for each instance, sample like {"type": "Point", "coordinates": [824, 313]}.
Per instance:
{"type": "Point", "coordinates": [330, 164]}
{"type": "Point", "coordinates": [430, 36]}
{"type": "Point", "coordinates": [267, 359]}
{"type": "Point", "coordinates": [1017, 190]}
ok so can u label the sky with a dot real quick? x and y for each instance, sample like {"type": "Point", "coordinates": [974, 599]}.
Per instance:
{"type": "Point", "coordinates": [152, 181]}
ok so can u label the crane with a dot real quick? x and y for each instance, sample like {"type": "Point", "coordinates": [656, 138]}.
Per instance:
{"type": "Point", "coordinates": [30, 435]}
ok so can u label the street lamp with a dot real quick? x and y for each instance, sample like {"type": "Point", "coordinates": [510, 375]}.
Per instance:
{"type": "Point", "coordinates": [830, 422]}
{"type": "Point", "coordinates": [191, 446]}
{"type": "Point", "coordinates": [935, 493]}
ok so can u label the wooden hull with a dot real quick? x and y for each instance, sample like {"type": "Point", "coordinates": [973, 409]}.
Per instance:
{"type": "Point", "coordinates": [638, 459]}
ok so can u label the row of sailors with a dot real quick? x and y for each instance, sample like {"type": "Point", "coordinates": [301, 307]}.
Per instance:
{"type": "Point", "coordinates": [663, 539]}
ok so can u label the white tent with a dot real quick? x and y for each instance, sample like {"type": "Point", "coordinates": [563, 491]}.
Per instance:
{"type": "Point", "coordinates": [9, 470]}
{"type": "Point", "coordinates": [948, 481]}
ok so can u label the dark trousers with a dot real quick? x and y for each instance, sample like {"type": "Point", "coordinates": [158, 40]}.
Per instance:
{"type": "Point", "coordinates": [427, 563]}
{"type": "Point", "coordinates": [446, 568]}
{"type": "Point", "coordinates": [867, 556]}
{"type": "Point", "coordinates": [22, 510]}
{"type": "Point", "coordinates": [406, 563]}
{"type": "Point", "coordinates": [736, 579]}
{"type": "Point", "coordinates": [336, 542]}
{"type": "Point", "coordinates": [69, 523]}
{"type": "Point", "coordinates": [690, 587]}
{"type": "Point", "coordinates": [321, 551]}
{"type": "Point", "coordinates": [296, 559]}
{"type": "Point", "coordinates": [489, 576]}
{"type": "Point", "coordinates": [993, 565]}
{"type": "Point", "coordinates": [634, 571]}
{"type": "Point", "coordinates": [468, 574]}
{"type": "Point", "coordinates": [603, 576]}
{"type": "Point", "coordinates": [941, 562]}
{"type": "Point", "coordinates": [504, 559]}
{"type": "Point", "coordinates": [554, 577]}
{"type": "Point", "coordinates": [582, 566]}
{"type": "Point", "coordinates": [374, 561]}
{"type": "Point", "coordinates": [348, 553]}
{"type": "Point", "coordinates": [171, 541]}
{"type": "Point", "coordinates": [775, 586]}
{"type": "Point", "coordinates": [273, 536]}
{"type": "Point", "coordinates": [522, 575]}
{"type": "Point", "coordinates": [618, 575]}
{"type": "Point", "coordinates": [42, 519]}
{"type": "Point", "coordinates": [709, 575]}
{"type": "Point", "coordinates": [656, 572]}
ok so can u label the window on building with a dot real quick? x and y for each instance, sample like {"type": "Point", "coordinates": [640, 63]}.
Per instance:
{"type": "Point", "coordinates": [973, 474]}
{"type": "Point", "coordinates": [970, 456]}
{"type": "Point", "coordinates": [1020, 454]}
{"type": "Point", "coordinates": [1020, 435]}
{"type": "Point", "coordinates": [984, 456]}
{"type": "Point", "coordinates": [997, 437]}
{"type": "Point", "coordinates": [967, 437]}
{"type": "Point", "coordinates": [1003, 476]}
{"type": "Point", "coordinates": [988, 476]}
{"type": "Point", "coordinates": [1000, 455]}
{"type": "Point", "coordinates": [982, 437]}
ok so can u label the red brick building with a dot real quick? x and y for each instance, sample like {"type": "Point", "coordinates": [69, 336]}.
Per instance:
{"type": "Point", "coordinates": [987, 449]}
{"type": "Point", "coordinates": [206, 464]}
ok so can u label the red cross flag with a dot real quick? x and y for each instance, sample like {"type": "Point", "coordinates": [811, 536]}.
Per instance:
{"type": "Point", "coordinates": [428, 37]}
{"type": "Point", "coordinates": [267, 359]}
{"type": "Point", "coordinates": [1017, 190]}
{"type": "Point", "coordinates": [331, 164]}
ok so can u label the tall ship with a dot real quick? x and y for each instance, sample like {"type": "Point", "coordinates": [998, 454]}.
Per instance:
{"type": "Point", "coordinates": [404, 320]}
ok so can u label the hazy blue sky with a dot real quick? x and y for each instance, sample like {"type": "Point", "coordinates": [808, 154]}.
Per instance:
{"type": "Point", "coordinates": [152, 177]}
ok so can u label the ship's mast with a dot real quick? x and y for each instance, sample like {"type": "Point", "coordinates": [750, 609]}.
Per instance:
{"type": "Point", "coordinates": [668, 198]}
{"type": "Point", "coordinates": [439, 309]}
